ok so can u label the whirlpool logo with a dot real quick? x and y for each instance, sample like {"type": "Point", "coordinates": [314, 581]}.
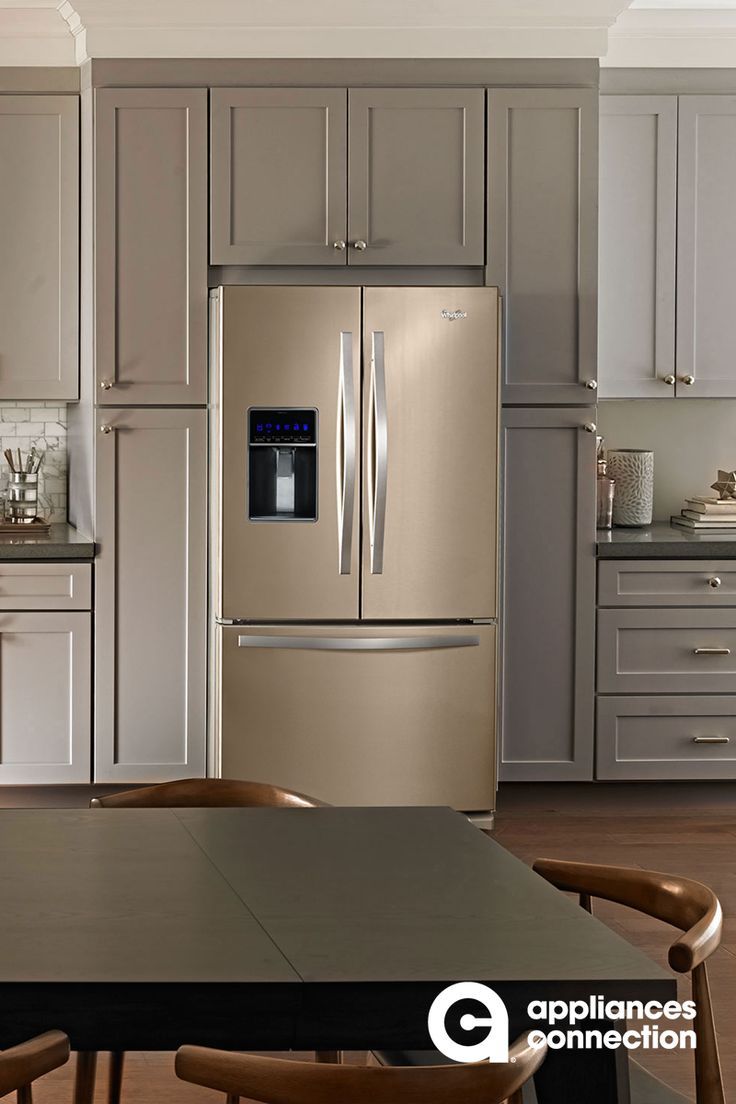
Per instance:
{"type": "Point", "coordinates": [494, 1046]}
{"type": "Point", "coordinates": [453, 315]}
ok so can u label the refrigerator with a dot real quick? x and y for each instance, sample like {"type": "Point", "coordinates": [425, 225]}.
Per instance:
{"type": "Point", "coordinates": [355, 512]}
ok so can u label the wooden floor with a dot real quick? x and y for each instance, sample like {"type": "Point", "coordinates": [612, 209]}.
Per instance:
{"type": "Point", "coordinates": [689, 830]}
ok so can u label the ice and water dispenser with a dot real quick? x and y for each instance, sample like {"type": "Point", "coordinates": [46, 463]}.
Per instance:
{"type": "Point", "coordinates": [282, 465]}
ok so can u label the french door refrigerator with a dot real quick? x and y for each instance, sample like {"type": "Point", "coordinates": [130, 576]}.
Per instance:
{"type": "Point", "coordinates": [355, 463]}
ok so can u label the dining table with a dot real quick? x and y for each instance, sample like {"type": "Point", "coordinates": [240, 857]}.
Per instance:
{"type": "Point", "coordinates": [291, 929]}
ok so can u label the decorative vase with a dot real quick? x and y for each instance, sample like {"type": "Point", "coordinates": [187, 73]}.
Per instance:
{"type": "Point", "coordinates": [633, 471]}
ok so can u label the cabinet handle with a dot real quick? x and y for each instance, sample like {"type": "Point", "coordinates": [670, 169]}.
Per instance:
{"type": "Point", "coordinates": [714, 582]}
{"type": "Point", "coordinates": [591, 385]}
{"type": "Point", "coordinates": [106, 385]}
{"type": "Point", "coordinates": [669, 380]}
{"type": "Point", "coordinates": [687, 380]}
{"type": "Point", "coordinates": [106, 428]}
{"type": "Point", "coordinates": [360, 245]}
{"type": "Point", "coordinates": [711, 739]}
{"type": "Point", "coordinates": [590, 427]}
{"type": "Point", "coordinates": [711, 651]}
{"type": "Point", "coordinates": [340, 245]}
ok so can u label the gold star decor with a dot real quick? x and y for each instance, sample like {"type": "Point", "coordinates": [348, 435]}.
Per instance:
{"type": "Point", "coordinates": [725, 484]}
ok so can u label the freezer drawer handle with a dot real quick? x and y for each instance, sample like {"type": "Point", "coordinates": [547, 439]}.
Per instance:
{"type": "Point", "coordinates": [346, 448]}
{"type": "Point", "coordinates": [360, 643]}
{"type": "Point", "coordinates": [377, 453]}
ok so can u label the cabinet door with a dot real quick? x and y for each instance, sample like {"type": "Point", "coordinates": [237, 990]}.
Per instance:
{"type": "Point", "coordinates": [706, 247]}
{"type": "Point", "coordinates": [151, 245]}
{"type": "Point", "coordinates": [548, 619]}
{"type": "Point", "coordinates": [39, 246]}
{"type": "Point", "coordinates": [151, 595]}
{"type": "Point", "coordinates": [45, 692]}
{"type": "Point", "coordinates": [542, 235]}
{"type": "Point", "coordinates": [636, 281]}
{"type": "Point", "coordinates": [416, 176]}
{"type": "Point", "coordinates": [279, 176]}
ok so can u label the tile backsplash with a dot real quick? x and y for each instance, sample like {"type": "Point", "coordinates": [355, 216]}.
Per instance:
{"type": "Point", "coordinates": [43, 424]}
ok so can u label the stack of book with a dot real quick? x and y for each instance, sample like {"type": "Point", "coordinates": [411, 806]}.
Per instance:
{"type": "Point", "coordinates": [708, 513]}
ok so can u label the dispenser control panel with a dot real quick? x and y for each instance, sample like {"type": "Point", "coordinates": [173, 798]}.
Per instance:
{"type": "Point", "coordinates": [271, 426]}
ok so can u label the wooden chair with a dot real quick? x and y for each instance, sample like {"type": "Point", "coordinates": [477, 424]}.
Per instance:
{"type": "Point", "coordinates": [280, 1081]}
{"type": "Point", "coordinates": [187, 793]}
{"type": "Point", "coordinates": [21, 1065]}
{"type": "Point", "coordinates": [696, 911]}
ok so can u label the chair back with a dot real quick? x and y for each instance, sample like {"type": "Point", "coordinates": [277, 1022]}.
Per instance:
{"type": "Point", "coordinates": [685, 904]}
{"type": "Point", "coordinates": [21, 1065]}
{"type": "Point", "coordinates": [206, 793]}
{"type": "Point", "coordinates": [280, 1081]}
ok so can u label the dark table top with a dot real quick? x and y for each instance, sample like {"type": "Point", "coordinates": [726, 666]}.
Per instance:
{"type": "Point", "coordinates": [63, 542]}
{"type": "Point", "coordinates": [663, 541]}
{"type": "Point", "coordinates": [319, 926]}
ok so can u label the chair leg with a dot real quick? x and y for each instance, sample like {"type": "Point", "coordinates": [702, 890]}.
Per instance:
{"type": "Point", "coordinates": [231, 1099]}
{"type": "Point", "coordinates": [84, 1080]}
{"type": "Point", "coordinates": [333, 1056]}
{"type": "Point", "coordinates": [25, 1095]}
{"type": "Point", "coordinates": [115, 1084]}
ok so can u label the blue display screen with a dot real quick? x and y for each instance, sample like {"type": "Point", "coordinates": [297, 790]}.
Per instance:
{"type": "Point", "coordinates": [271, 426]}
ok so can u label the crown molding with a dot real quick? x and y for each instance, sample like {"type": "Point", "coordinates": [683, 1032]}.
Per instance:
{"type": "Point", "coordinates": [35, 36]}
{"type": "Point", "coordinates": [675, 38]}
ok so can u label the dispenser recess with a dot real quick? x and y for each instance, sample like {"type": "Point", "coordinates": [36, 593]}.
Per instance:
{"type": "Point", "coordinates": [282, 464]}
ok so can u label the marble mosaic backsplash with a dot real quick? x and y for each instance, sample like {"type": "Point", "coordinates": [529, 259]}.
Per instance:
{"type": "Point", "coordinates": [43, 424]}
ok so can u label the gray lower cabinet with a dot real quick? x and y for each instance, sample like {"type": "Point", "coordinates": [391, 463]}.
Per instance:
{"type": "Point", "coordinates": [542, 239]}
{"type": "Point", "coordinates": [548, 607]}
{"type": "Point", "coordinates": [151, 245]}
{"type": "Point", "coordinates": [45, 695]}
{"type": "Point", "coordinates": [39, 247]}
{"type": "Point", "coordinates": [636, 281]}
{"type": "Point", "coordinates": [151, 595]}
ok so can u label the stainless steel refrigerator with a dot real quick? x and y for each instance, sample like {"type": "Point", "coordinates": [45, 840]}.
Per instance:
{"type": "Point", "coordinates": [355, 458]}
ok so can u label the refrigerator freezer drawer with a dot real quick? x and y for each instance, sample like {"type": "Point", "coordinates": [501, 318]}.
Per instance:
{"type": "Point", "coordinates": [387, 715]}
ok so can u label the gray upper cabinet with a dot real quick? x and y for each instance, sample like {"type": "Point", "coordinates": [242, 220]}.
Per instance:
{"type": "Point", "coordinates": [636, 288]}
{"type": "Point", "coordinates": [542, 239]}
{"type": "Point", "coordinates": [706, 247]}
{"type": "Point", "coordinates": [151, 595]}
{"type": "Point", "coordinates": [151, 245]}
{"type": "Point", "coordinates": [39, 246]}
{"type": "Point", "coordinates": [416, 177]}
{"type": "Point", "coordinates": [279, 183]}
{"type": "Point", "coordinates": [548, 612]}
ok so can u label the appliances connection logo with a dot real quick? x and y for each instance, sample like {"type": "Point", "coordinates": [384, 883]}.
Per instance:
{"type": "Point", "coordinates": [494, 1046]}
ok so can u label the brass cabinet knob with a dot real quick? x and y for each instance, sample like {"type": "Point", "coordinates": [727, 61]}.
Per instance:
{"type": "Point", "coordinates": [106, 385]}
{"type": "Point", "coordinates": [360, 245]}
{"type": "Point", "coordinates": [669, 380]}
{"type": "Point", "coordinates": [339, 244]}
{"type": "Point", "coordinates": [714, 582]}
{"type": "Point", "coordinates": [687, 380]}
{"type": "Point", "coordinates": [591, 385]}
{"type": "Point", "coordinates": [590, 427]}
{"type": "Point", "coordinates": [106, 429]}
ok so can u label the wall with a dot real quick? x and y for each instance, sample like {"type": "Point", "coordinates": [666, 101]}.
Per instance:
{"type": "Point", "coordinates": [691, 439]}
{"type": "Point", "coordinates": [43, 424]}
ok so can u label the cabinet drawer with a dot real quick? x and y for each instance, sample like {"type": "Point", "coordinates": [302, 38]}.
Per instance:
{"type": "Point", "coordinates": [666, 651]}
{"type": "Point", "coordinates": [667, 583]}
{"type": "Point", "coordinates": [45, 586]}
{"type": "Point", "coordinates": [666, 737]}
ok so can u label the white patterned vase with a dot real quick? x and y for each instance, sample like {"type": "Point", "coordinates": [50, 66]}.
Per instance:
{"type": "Point", "coordinates": [633, 470]}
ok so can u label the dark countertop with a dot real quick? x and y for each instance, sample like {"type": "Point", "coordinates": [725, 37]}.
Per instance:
{"type": "Point", "coordinates": [62, 543]}
{"type": "Point", "coordinates": [663, 541]}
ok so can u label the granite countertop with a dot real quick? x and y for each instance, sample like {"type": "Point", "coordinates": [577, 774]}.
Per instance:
{"type": "Point", "coordinates": [662, 541]}
{"type": "Point", "coordinates": [62, 543]}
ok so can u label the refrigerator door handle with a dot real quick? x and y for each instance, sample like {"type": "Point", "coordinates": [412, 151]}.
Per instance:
{"type": "Point", "coordinates": [346, 452]}
{"type": "Point", "coordinates": [377, 453]}
{"type": "Point", "coordinates": [360, 643]}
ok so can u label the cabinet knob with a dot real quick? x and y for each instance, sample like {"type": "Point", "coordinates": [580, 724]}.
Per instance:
{"type": "Point", "coordinates": [590, 427]}
{"type": "Point", "coordinates": [669, 380]}
{"type": "Point", "coordinates": [360, 245]}
{"type": "Point", "coordinates": [591, 385]}
{"type": "Point", "coordinates": [714, 582]}
{"type": "Point", "coordinates": [106, 385]}
{"type": "Point", "coordinates": [339, 244]}
{"type": "Point", "coordinates": [106, 428]}
{"type": "Point", "coordinates": [687, 380]}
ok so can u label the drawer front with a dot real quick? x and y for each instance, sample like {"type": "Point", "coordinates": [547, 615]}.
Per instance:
{"type": "Point", "coordinates": [667, 583]}
{"type": "Point", "coordinates": [666, 651]}
{"type": "Point", "coordinates": [45, 586]}
{"type": "Point", "coordinates": [682, 737]}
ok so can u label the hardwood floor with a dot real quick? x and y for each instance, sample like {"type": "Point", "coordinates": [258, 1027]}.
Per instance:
{"type": "Point", "coordinates": [688, 830]}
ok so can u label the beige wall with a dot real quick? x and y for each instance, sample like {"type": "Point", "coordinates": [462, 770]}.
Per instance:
{"type": "Point", "coordinates": [691, 438]}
